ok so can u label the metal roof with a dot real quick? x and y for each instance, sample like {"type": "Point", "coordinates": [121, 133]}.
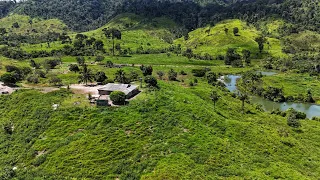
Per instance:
{"type": "Point", "coordinates": [126, 88]}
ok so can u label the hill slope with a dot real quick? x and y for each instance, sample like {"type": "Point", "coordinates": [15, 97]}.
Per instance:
{"type": "Point", "coordinates": [170, 134]}
{"type": "Point", "coordinates": [216, 40]}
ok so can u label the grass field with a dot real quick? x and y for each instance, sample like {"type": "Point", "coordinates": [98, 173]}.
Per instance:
{"type": "Point", "coordinates": [25, 28]}
{"type": "Point", "coordinates": [215, 41]}
{"type": "Point", "coordinates": [294, 84]}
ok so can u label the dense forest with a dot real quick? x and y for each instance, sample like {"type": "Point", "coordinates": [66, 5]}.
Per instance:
{"type": "Point", "coordinates": [85, 15]}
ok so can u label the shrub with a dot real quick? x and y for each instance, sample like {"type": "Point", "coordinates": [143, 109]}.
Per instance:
{"type": "Point", "coordinates": [199, 72]}
{"type": "Point", "coordinates": [55, 81]}
{"type": "Point", "coordinates": [118, 97]}
{"type": "Point", "coordinates": [172, 75]}
{"type": "Point", "coordinates": [8, 78]}
{"type": "Point", "coordinates": [160, 74]}
{"type": "Point", "coordinates": [99, 58]}
{"type": "Point", "coordinates": [151, 81]}
{"type": "Point", "coordinates": [100, 77]}
{"type": "Point", "coordinates": [146, 70]}
{"type": "Point", "coordinates": [33, 79]}
{"type": "Point", "coordinates": [183, 73]}
{"type": "Point", "coordinates": [293, 121]}
{"type": "Point", "coordinates": [74, 68]}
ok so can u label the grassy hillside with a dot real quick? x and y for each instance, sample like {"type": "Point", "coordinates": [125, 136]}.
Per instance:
{"type": "Point", "coordinates": [38, 26]}
{"type": "Point", "coordinates": [173, 133]}
{"type": "Point", "coordinates": [215, 40]}
{"type": "Point", "coordinates": [137, 32]}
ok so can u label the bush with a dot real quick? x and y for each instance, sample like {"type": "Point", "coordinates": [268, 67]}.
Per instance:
{"type": "Point", "coordinates": [55, 81]}
{"type": "Point", "coordinates": [33, 79]}
{"type": "Point", "coordinates": [99, 58]}
{"type": "Point", "coordinates": [100, 77]}
{"type": "Point", "coordinates": [74, 68]}
{"type": "Point", "coordinates": [8, 79]}
{"type": "Point", "coordinates": [172, 75]}
{"type": "Point", "coordinates": [199, 72]}
{"type": "Point", "coordinates": [151, 81]}
{"type": "Point", "coordinates": [118, 97]}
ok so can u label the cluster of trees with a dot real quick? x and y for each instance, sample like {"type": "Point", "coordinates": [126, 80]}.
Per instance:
{"type": "Point", "coordinates": [253, 83]}
{"type": "Point", "coordinates": [233, 58]}
{"type": "Point", "coordinates": [301, 63]}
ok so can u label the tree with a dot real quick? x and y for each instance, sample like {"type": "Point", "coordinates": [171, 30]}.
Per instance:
{"type": "Point", "coordinates": [99, 58]}
{"type": "Point", "coordinates": [188, 53]}
{"type": "Point", "coordinates": [34, 64]}
{"type": "Point", "coordinates": [15, 25]}
{"type": "Point", "coordinates": [112, 34]}
{"type": "Point", "coordinates": [226, 30]}
{"type": "Point", "coordinates": [309, 97]}
{"type": "Point", "coordinates": [55, 81]}
{"type": "Point", "coordinates": [74, 68]}
{"type": "Point", "coordinates": [109, 64]}
{"type": "Point", "coordinates": [8, 79]}
{"type": "Point", "coordinates": [100, 76]}
{"type": "Point", "coordinates": [172, 75]}
{"type": "Point", "coordinates": [160, 74]}
{"type": "Point", "coordinates": [231, 56]}
{"type": "Point", "coordinates": [120, 76]}
{"type": "Point", "coordinates": [85, 75]}
{"type": "Point", "coordinates": [80, 60]}
{"type": "Point", "coordinates": [3, 31]}
{"type": "Point", "coordinates": [212, 77]}
{"type": "Point", "coordinates": [214, 97]}
{"type": "Point", "coordinates": [146, 70]}
{"type": "Point", "coordinates": [118, 97]}
{"type": "Point", "coordinates": [293, 121]}
{"type": "Point", "coordinates": [51, 63]}
{"type": "Point", "coordinates": [151, 81]}
{"type": "Point", "coordinates": [260, 40]}
{"type": "Point", "coordinates": [246, 56]}
{"type": "Point", "coordinates": [236, 31]}
{"type": "Point", "coordinates": [98, 45]}
{"type": "Point", "coordinates": [243, 98]}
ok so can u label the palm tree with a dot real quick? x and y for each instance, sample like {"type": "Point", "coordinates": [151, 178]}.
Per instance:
{"type": "Point", "coordinates": [120, 76]}
{"type": "Point", "coordinates": [112, 34]}
{"type": "Point", "coordinates": [243, 98]}
{"type": "Point", "coordinates": [86, 75]}
{"type": "Point", "coordinates": [214, 97]}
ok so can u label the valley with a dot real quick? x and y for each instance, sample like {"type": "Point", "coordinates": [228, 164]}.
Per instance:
{"type": "Point", "coordinates": [221, 96]}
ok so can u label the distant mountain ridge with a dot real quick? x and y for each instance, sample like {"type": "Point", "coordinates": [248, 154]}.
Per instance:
{"type": "Point", "coordinates": [84, 15]}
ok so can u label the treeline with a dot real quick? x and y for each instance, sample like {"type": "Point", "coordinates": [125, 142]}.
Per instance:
{"type": "Point", "coordinates": [84, 15]}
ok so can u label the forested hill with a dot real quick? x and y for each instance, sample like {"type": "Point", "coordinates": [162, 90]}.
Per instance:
{"type": "Point", "coordinates": [83, 15]}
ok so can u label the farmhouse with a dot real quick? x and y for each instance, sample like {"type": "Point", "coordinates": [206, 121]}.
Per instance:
{"type": "Point", "coordinates": [128, 89]}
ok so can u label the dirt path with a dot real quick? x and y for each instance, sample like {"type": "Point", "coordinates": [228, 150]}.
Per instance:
{"type": "Point", "coordinates": [6, 89]}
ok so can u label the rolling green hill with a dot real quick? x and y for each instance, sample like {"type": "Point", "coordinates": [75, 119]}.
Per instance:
{"type": "Point", "coordinates": [215, 40]}
{"type": "Point", "coordinates": [38, 26]}
{"type": "Point", "coordinates": [173, 133]}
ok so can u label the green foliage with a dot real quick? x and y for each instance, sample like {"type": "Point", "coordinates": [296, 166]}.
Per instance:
{"type": "Point", "coordinates": [86, 75]}
{"type": "Point", "coordinates": [151, 81]}
{"type": "Point", "coordinates": [146, 70]}
{"type": "Point", "coordinates": [232, 57]}
{"type": "Point", "coordinates": [118, 97]}
{"type": "Point", "coordinates": [121, 77]}
{"type": "Point", "coordinates": [172, 75]}
{"type": "Point", "coordinates": [8, 78]}
{"type": "Point", "coordinates": [100, 76]}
